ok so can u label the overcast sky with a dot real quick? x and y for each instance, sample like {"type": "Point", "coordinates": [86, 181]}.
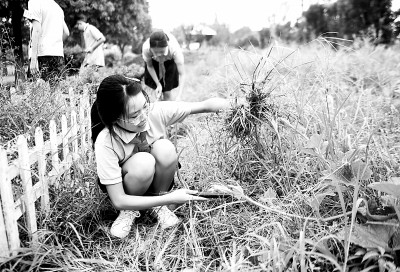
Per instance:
{"type": "Point", "coordinates": [256, 14]}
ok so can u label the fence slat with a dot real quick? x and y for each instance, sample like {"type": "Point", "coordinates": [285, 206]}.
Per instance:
{"type": "Point", "coordinates": [4, 251]}
{"type": "Point", "coordinates": [44, 200]}
{"type": "Point", "coordinates": [71, 97]}
{"type": "Point", "coordinates": [65, 144]}
{"type": "Point", "coordinates": [54, 148]}
{"type": "Point", "coordinates": [74, 132]}
{"type": "Point", "coordinates": [82, 126]}
{"type": "Point", "coordinates": [89, 130]}
{"type": "Point", "coordinates": [28, 198]}
{"type": "Point", "coordinates": [7, 202]}
{"type": "Point", "coordinates": [64, 132]}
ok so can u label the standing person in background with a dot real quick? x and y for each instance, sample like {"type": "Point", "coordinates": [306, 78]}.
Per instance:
{"type": "Point", "coordinates": [93, 41]}
{"type": "Point", "coordinates": [164, 64]}
{"type": "Point", "coordinates": [49, 31]}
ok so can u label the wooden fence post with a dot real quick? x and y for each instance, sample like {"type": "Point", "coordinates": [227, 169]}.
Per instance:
{"type": "Point", "coordinates": [82, 126]}
{"type": "Point", "coordinates": [64, 133]}
{"type": "Point", "coordinates": [71, 98]}
{"type": "Point", "coordinates": [4, 251]}
{"type": "Point", "coordinates": [89, 129]}
{"type": "Point", "coordinates": [44, 200]}
{"type": "Point", "coordinates": [65, 142]}
{"type": "Point", "coordinates": [74, 135]}
{"type": "Point", "coordinates": [29, 195]}
{"type": "Point", "coordinates": [11, 243]}
{"type": "Point", "coordinates": [54, 149]}
{"type": "Point", "coordinates": [86, 105]}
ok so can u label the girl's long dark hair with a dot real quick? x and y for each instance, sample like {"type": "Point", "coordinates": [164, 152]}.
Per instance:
{"type": "Point", "coordinates": [110, 104]}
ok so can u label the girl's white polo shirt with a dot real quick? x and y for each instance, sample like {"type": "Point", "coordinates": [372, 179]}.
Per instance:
{"type": "Point", "coordinates": [112, 152]}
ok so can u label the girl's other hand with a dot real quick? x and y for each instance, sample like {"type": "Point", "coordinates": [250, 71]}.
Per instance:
{"type": "Point", "coordinates": [158, 92]}
{"type": "Point", "coordinates": [185, 195]}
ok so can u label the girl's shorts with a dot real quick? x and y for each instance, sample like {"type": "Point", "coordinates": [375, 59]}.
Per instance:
{"type": "Point", "coordinates": [171, 76]}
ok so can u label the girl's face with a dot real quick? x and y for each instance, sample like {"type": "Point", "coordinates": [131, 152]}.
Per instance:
{"type": "Point", "coordinates": [159, 51]}
{"type": "Point", "coordinates": [137, 115]}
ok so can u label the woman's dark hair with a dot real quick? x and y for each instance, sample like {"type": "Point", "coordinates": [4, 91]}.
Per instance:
{"type": "Point", "coordinates": [111, 101]}
{"type": "Point", "coordinates": [158, 39]}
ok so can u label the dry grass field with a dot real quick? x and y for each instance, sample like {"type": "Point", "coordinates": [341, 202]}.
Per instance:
{"type": "Point", "coordinates": [311, 132]}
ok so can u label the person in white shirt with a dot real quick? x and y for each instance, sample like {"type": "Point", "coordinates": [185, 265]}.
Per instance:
{"type": "Point", "coordinates": [93, 41]}
{"type": "Point", "coordinates": [49, 31]}
{"type": "Point", "coordinates": [164, 69]}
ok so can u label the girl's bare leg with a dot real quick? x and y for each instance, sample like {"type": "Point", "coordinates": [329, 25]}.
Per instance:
{"type": "Point", "coordinates": [166, 161]}
{"type": "Point", "coordinates": [138, 173]}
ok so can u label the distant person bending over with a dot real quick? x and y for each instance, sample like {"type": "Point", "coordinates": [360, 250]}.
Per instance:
{"type": "Point", "coordinates": [49, 31]}
{"type": "Point", "coordinates": [93, 41]}
{"type": "Point", "coordinates": [164, 69]}
{"type": "Point", "coordinates": [134, 160]}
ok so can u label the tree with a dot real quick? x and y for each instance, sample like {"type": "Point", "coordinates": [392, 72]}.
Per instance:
{"type": "Point", "coordinates": [123, 22]}
{"type": "Point", "coordinates": [316, 19]}
{"type": "Point", "coordinates": [182, 34]}
{"type": "Point", "coordinates": [396, 31]}
{"type": "Point", "coordinates": [265, 37]}
{"type": "Point", "coordinates": [284, 32]}
{"type": "Point", "coordinates": [352, 17]}
{"type": "Point", "coordinates": [371, 14]}
{"type": "Point", "coordinates": [12, 11]}
{"type": "Point", "coordinates": [223, 36]}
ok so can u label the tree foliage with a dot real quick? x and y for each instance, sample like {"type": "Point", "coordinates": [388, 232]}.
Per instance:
{"type": "Point", "coordinates": [265, 37]}
{"type": "Point", "coordinates": [223, 36]}
{"type": "Point", "coordinates": [352, 17]}
{"type": "Point", "coordinates": [12, 27]}
{"type": "Point", "coordinates": [316, 18]}
{"type": "Point", "coordinates": [123, 22]}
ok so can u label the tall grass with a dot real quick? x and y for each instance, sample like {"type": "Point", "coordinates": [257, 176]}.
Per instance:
{"type": "Point", "coordinates": [303, 122]}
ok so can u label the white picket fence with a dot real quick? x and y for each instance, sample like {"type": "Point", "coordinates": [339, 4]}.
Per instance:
{"type": "Point", "coordinates": [71, 142]}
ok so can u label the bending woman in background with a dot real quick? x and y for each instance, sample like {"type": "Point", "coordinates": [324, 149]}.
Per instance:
{"type": "Point", "coordinates": [164, 64]}
{"type": "Point", "coordinates": [135, 161]}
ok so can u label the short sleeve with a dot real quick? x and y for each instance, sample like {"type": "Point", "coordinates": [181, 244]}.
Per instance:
{"type": "Point", "coordinates": [35, 10]}
{"type": "Point", "coordinates": [107, 163]}
{"type": "Point", "coordinates": [96, 33]}
{"type": "Point", "coordinates": [174, 112]}
{"type": "Point", "coordinates": [146, 54]}
{"type": "Point", "coordinates": [176, 50]}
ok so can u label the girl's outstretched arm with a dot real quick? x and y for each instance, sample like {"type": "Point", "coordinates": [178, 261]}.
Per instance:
{"type": "Point", "coordinates": [122, 201]}
{"type": "Point", "coordinates": [210, 105]}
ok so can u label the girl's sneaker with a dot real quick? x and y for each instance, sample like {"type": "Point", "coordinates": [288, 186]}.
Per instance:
{"type": "Point", "coordinates": [166, 218]}
{"type": "Point", "coordinates": [122, 225]}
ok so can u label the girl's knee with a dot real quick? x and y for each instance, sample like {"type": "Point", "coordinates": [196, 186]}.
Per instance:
{"type": "Point", "coordinates": [140, 167]}
{"type": "Point", "coordinates": [164, 152]}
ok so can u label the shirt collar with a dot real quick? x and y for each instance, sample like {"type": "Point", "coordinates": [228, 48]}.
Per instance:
{"type": "Point", "coordinates": [127, 136]}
